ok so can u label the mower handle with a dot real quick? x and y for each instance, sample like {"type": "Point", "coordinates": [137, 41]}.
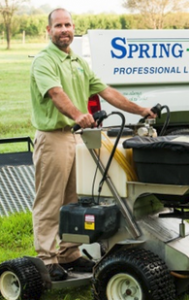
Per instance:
{"type": "Point", "coordinates": [98, 116]}
{"type": "Point", "coordinates": [156, 110]}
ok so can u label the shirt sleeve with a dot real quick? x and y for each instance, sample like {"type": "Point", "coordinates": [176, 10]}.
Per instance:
{"type": "Point", "coordinates": [95, 83]}
{"type": "Point", "coordinates": [45, 75]}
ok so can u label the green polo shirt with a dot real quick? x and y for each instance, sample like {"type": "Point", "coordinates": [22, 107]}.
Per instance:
{"type": "Point", "coordinates": [55, 68]}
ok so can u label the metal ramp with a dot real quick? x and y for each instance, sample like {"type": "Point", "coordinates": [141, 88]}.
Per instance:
{"type": "Point", "coordinates": [17, 187]}
{"type": "Point", "coordinates": [17, 190]}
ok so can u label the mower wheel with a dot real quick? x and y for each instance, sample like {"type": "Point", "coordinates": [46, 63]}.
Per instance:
{"type": "Point", "coordinates": [133, 274]}
{"type": "Point", "coordinates": [19, 279]}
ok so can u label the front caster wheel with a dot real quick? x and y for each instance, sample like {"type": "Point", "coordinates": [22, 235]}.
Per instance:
{"type": "Point", "coordinates": [132, 274]}
{"type": "Point", "coordinates": [19, 279]}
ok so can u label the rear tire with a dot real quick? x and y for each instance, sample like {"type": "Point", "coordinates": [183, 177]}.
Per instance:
{"type": "Point", "coordinates": [133, 274]}
{"type": "Point", "coordinates": [19, 279]}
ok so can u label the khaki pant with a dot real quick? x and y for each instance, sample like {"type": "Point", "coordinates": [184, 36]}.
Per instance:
{"type": "Point", "coordinates": [55, 182]}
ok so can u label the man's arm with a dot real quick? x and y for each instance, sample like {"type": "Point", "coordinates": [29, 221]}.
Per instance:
{"type": "Point", "coordinates": [66, 107]}
{"type": "Point", "coordinates": [116, 99]}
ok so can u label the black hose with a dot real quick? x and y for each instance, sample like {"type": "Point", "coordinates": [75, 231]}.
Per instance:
{"type": "Point", "coordinates": [113, 150]}
{"type": "Point", "coordinates": [166, 123]}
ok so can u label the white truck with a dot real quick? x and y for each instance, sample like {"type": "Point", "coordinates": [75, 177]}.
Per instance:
{"type": "Point", "coordinates": [148, 67]}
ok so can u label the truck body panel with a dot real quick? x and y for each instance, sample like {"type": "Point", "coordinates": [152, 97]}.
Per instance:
{"type": "Point", "coordinates": [146, 66]}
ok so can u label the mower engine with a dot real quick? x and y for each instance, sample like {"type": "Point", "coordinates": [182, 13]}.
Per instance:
{"type": "Point", "coordinates": [87, 222]}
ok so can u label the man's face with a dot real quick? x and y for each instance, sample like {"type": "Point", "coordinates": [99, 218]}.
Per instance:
{"type": "Point", "coordinates": [61, 30]}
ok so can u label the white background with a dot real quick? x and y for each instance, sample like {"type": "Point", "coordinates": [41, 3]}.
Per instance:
{"type": "Point", "coordinates": [85, 6]}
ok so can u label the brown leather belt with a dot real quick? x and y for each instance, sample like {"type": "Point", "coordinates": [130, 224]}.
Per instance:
{"type": "Point", "coordinates": [66, 129]}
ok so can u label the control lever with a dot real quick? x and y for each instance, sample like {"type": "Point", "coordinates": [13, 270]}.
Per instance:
{"type": "Point", "coordinates": [98, 116]}
{"type": "Point", "coordinates": [156, 110]}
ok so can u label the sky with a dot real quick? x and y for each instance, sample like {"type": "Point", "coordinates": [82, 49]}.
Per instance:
{"type": "Point", "coordinates": [84, 6]}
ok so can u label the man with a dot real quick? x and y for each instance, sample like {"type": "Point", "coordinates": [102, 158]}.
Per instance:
{"type": "Point", "coordinates": [61, 83]}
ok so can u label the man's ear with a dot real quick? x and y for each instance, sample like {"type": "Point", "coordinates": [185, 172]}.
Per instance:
{"type": "Point", "coordinates": [48, 28]}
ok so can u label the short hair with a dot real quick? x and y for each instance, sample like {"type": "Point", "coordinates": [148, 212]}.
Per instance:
{"type": "Point", "coordinates": [56, 9]}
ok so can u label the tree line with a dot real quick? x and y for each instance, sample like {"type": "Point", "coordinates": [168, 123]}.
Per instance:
{"type": "Point", "coordinates": [156, 11]}
{"type": "Point", "coordinates": [17, 16]}
{"type": "Point", "coordinates": [35, 25]}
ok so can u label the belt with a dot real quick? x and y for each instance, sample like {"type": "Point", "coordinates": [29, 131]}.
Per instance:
{"type": "Point", "coordinates": [65, 129]}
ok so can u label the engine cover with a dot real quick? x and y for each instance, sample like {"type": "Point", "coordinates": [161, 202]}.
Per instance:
{"type": "Point", "coordinates": [95, 221]}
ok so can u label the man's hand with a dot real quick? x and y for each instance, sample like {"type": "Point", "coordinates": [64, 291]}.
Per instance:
{"type": "Point", "coordinates": [85, 121]}
{"type": "Point", "coordinates": [148, 113]}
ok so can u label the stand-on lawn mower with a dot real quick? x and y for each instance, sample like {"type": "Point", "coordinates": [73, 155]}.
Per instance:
{"type": "Point", "coordinates": [133, 200]}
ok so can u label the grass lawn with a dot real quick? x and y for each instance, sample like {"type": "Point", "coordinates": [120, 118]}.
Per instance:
{"type": "Point", "coordinates": [16, 238]}
{"type": "Point", "coordinates": [15, 108]}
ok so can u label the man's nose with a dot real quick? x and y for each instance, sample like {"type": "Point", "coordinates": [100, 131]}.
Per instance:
{"type": "Point", "coordinates": [63, 28]}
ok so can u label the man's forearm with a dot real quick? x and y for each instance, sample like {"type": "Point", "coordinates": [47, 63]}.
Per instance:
{"type": "Point", "coordinates": [63, 103]}
{"type": "Point", "coordinates": [67, 108]}
{"type": "Point", "coordinates": [116, 99]}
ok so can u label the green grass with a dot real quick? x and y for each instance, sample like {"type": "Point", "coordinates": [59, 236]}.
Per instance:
{"type": "Point", "coordinates": [15, 105]}
{"type": "Point", "coordinates": [16, 237]}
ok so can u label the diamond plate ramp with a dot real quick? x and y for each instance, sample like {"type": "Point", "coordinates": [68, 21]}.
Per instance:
{"type": "Point", "coordinates": [17, 189]}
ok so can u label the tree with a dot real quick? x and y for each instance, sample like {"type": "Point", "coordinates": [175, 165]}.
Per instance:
{"type": "Point", "coordinates": [155, 10]}
{"type": "Point", "coordinates": [7, 10]}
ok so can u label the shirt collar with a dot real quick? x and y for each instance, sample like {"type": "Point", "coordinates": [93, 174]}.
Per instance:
{"type": "Point", "coordinates": [61, 54]}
